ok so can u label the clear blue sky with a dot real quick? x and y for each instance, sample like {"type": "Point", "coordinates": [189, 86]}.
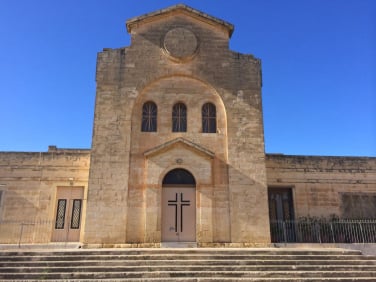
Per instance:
{"type": "Point", "coordinates": [318, 59]}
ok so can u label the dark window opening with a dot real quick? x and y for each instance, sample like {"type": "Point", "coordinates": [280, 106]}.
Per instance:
{"type": "Point", "coordinates": [179, 118]}
{"type": "Point", "coordinates": [149, 117]}
{"type": "Point", "coordinates": [179, 176]}
{"type": "Point", "coordinates": [358, 205]}
{"type": "Point", "coordinates": [209, 118]}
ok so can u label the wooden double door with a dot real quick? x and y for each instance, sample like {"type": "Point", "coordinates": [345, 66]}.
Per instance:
{"type": "Point", "coordinates": [68, 214]}
{"type": "Point", "coordinates": [281, 214]}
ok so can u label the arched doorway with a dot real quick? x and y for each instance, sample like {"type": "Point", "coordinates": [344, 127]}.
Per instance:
{"type": "Point", "coordinates": [178, 206]}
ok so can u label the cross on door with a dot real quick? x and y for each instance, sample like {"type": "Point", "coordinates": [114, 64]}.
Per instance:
{"type": "Point", "coordinates": [179, 203]}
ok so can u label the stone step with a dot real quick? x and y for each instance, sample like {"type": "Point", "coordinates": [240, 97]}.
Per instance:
{"type": "Point", "coordinates": [204, 251]}
{"type": "Point", "coordinates": [190, 274]}
{"type": "Point", "coordinates": [217, 279]}
{"type": "Point", "coordinates": [79, 257]}
{"type": "Point", "coordinates": [84, 262]}
{"type": "Point", "coordinates": [178, 268]}
{"type": "Point", "coordinates": [211, 279]}
{"type": "Point", "coordinates": [188, 265]}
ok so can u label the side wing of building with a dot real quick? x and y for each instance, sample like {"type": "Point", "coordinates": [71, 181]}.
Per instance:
{"type": "Point", "coordinates": [39, 191]}
{"type": "Point", "coordinates": [313, 186]}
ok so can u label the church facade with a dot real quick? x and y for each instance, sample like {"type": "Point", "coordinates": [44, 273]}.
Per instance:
{"type": "Point", "coordinates": [177, 152]}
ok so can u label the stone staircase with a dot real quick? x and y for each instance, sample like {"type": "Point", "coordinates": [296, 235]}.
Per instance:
{"type": "Point", "coordinates": [198, 264]}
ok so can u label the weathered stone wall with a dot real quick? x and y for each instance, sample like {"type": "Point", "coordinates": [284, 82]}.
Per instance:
{"type": "Point", "coordinates": [29, 183]}
{"type": "Point", "coordinates": [319, 183]}
{"type": "Point", "coordinates": [109, 169]}
{"type": "Point", "coordinates": [148, 70]}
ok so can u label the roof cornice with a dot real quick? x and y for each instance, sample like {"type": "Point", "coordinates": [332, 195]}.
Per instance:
{"type": "Point", "coordinates": [182, 9]}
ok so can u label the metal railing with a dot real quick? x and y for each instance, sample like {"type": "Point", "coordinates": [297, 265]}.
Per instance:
{"type": "Point", "coordinates": [28, 232]}
{"type": "Point", "coordinates": [323, 231]}
{"type": "Point", "coordinates": [288, 231]}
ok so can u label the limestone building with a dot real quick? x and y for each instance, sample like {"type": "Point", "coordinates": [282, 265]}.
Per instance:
{"type": "Point", "coordinates": [177, 152]}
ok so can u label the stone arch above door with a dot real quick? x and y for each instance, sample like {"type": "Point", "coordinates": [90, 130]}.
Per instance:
{"type": "Point", "coordinates": [179, 176]}
{"type": "Point", "coordinates": [179, 153]}
{"type": "Point", "coordinates": [159, 161]}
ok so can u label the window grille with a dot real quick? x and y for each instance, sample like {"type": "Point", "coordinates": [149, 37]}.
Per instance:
{"type": "Point", "coordinates": [149, 117]}
{"type": "Point", "coordinates": [60, 214]}
{"type": "Point", "coordinates": [209, 118]}
{"type": "Point", "coordinates": [76, 214]}
{"type": "Point", "coordinates": [179, 118]}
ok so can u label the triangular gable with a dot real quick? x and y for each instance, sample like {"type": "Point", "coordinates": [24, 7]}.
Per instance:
{"type": "Point", "coordinates": [166, 146]}
{"type": "Point", "coordinates": [182, 9]}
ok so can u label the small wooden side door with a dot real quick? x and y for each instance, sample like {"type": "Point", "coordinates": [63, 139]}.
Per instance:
{"type": "Point", "coordinates": [68, 213]}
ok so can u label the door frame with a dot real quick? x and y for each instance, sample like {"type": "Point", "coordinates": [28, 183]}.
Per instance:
{"type": "Point", "coordinates": [179, 214]}
{"type": "Point", "coordinates": [70, 194]}
{"type": "Point", "coordinates": [169, 181]}
{"type": "Point", "coordinates": [281, 190]}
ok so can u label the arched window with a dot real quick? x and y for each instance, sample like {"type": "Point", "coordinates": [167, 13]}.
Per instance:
{"type": "Point", "coordinates": [179, 118]}
{"type": "Point", "coordinates": [209, 118]}
{"type": "Point", "coordinates": [149, 117]}
{"type": "Point", "coordinates": [179, 176]}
